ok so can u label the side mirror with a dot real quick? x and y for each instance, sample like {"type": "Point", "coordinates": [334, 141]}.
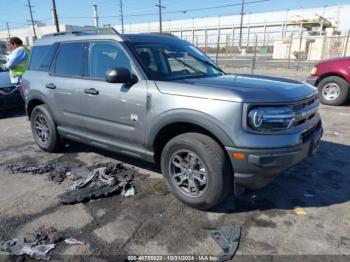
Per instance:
{"type": "Point", "coordinates": [120, 75]}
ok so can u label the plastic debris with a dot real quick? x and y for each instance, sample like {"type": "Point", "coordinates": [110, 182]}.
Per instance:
{"type": "Point", "coordinates": [129, 192]}
{"type": "Point", "coordinates": [73, 241]}
{"type": "Point", "coordinates": [45, 239]}
{"type": "Point", "coordinates": [20, 247]}
{"type": "Point", "coordinates": [299, 211]}
{"type": "Point", "coordinates": [227, 237]}
{"type": "Point", "coordinates": [32, 169]}
{"type": "Point", "coordinates": [103, 181]}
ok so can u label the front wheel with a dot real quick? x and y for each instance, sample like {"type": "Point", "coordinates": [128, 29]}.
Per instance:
{"type": "Point", "coordinates": [44, 129]}
{"type": "Point", "coordinates": [333, 90]}
{"type": "Point", "coordinates": [197, 170]}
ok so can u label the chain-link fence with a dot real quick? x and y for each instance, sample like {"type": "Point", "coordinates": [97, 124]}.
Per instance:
{"type": "Point", "coordinates": [259, 51]}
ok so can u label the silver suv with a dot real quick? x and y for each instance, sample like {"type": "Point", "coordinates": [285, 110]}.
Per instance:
{"type": "Point", "coordinates": [159, 98]}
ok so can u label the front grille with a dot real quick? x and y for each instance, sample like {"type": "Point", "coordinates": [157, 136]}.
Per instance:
{"type": "Point", "coordinates": [305, 110]}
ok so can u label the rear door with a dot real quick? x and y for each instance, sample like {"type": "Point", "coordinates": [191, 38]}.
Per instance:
{"type": "Point", "coordinates": [114, 113]}
{"type": "Point", "coordinates": [66, 75]}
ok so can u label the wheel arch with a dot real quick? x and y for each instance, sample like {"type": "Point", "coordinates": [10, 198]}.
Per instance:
{"type": "Point", "coordinates": [172, 124]}
{"type": "Point", "coordinates": [35, 100]}
{"type": "Point", "coordinates": [330, 74]}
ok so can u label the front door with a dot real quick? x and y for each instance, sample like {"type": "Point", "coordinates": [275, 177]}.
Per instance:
{"type": "Point", "coordinates": [114, 114]}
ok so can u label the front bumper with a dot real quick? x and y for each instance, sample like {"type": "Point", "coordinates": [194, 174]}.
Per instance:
{"type": "Point", "coordinates": [312, 80]}
{"type": "Point", "coordinates": [262, 165]}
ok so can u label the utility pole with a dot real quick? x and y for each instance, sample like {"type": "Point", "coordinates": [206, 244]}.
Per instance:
{"type": "Point", "coordinates": [96, 16]}
{"type": "Point", "coordinates": [31, 18]}
{"type": "Point", "coordinates": [241, 26]}
{"type": "Point", "coordinates": [160, 14]}
{"type": "Point", "coordinates": [121, 15]}
{"type": "Point", "coordinates": [54, 11]}
{"type": "Point", "coordinates": [8, 30]}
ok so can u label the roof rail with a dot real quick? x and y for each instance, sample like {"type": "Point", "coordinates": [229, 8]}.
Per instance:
{"type": "Point", "coordinates": [162, 33]}
{"type": "Point", "coordinates": [92, 31]}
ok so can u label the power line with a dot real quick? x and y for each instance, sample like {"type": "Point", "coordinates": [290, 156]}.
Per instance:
{"type": "Point", "coordinates": [168, 12]}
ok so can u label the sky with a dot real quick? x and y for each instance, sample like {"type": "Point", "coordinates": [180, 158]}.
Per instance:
{"type": "Point", "coordinates": [80, 12]}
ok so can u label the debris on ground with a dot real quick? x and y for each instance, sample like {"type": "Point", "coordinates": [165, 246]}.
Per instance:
{"type": "Point", "coordinates": [59, 175]}
{"type": "Point", "coordinates": [227, 237]}
{"type": "Point", "coordinates": [129, 192]}
{"type": "Point", "coordinates": [103, 181]}
{"type": "Point", "coordinates": [48, 235]}
{"type": "Point", "coordinates": [45, 240]}
{"type": "Point", "coordinates": [299, 211]}
{"type": "Point", "coordinates": [34, 250]}
{"type": "Point", "coordinates": [73, 241]}
{"type": "Point", "coordinates": [32, 169]}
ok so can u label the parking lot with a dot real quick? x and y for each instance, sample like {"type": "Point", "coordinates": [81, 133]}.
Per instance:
{"type": "Point", "coordinates": [154, 223]}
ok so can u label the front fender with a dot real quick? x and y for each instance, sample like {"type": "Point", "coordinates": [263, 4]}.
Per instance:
{"type": "Point", "coordinates": [187, 116]}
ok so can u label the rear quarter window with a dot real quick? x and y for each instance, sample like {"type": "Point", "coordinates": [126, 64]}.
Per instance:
{"type": "Point", "coordinates": [41, 57]}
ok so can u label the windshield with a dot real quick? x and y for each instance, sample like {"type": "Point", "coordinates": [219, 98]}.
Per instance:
{"type": "Point", "coordinates": [174, 61]}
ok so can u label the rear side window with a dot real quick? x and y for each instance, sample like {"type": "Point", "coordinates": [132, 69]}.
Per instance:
{"type": "Point", "coordinates": [41, 57]}
{"type": "Point", "coordinates": [69, 61]}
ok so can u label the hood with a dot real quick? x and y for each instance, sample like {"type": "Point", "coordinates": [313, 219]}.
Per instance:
{"type": "Point", "coordinates": [240, 88]}
{"type": "Point", "coordinates": [332, 60]}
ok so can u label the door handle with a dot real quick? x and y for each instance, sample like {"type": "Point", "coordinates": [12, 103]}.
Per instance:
{"type": "Point", "coordinates": [91, 91]}
{"type": "Point", "coordinates": [50, 86]}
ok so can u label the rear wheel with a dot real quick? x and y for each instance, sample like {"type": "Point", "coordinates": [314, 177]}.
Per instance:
{"type": "Point", "coordinates": [333, 90]}
{"type": "Point", "coordinates": [197, 170]}
{"type": "Point", "coordinates": [44, 129]}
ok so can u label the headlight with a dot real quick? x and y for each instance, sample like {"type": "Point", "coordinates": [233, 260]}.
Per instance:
{"type": "Point", "coordinates": [314, 71]}
{"type": "Point", "coordinates": [270, 118]}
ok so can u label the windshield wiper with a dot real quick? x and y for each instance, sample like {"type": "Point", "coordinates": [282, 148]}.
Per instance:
{"type": "Point", "coordinates": [184, 63]}
{"type": "Point", "coordinates": [208, 63]}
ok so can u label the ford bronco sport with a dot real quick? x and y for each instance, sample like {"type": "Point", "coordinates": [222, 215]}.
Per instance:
{"type": "Point", "coordinates": [159, 98]}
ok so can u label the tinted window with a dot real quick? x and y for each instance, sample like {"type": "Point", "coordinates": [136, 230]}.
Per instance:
{"type": "Point", "coordinates": [173, 60]}
{"type": "Point", "coordinates": [69, 61]}
{"type": "Point", "coordinates": [104, 55]}
{"type": "Point", "coordinates": [41, 57]}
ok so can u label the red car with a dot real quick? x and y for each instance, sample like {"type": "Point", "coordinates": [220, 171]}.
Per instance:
{"type": "Point", "coordinates": [332, 78]}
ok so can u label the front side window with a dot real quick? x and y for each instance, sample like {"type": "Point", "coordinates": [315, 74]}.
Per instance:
{"type": "Point", "coordinates": [167, 61]}
{"type": "Point", "coordinates": [104, 55]}
{"type": "Point", "coordinates": [70, 59]}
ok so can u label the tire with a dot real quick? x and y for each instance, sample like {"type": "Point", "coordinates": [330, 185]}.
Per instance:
{"type": "Point", "coordinates": [206, 153]}
{"type": "Point", "coordinates": [44, 130]}
{"type": "Point", "coordinates": [333, 91]}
